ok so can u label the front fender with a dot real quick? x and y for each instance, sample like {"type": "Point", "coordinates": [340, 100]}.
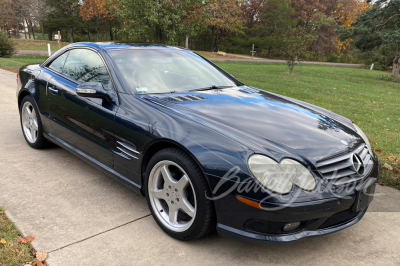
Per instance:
{"type": "Point", "coordinates": [143, 124]}
{"type": "Point", "coordinates": [33, 81]}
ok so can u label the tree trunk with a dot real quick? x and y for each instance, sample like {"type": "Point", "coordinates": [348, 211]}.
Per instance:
{"type": "Point", "coordinates": [33, 31]}
{"type": "Point", "coordinates": [50, 35]}
{"type": "Point", "coordinates": [42, 27]}
{"type": "Point", "coordinates": [187, 42]}
{"type": "Point", "coordinates": [17, 31]}
{"type": "Point", "coordinates": [72, 35]}
{"type": "Point", "coordinates": [98, 29]}
{"type": "Point", "coordinates": [291, 62]}
{"type": "Point", "coordinates": [159, 34]}
{"type": "Point", "coordinates": [269, 51]}
{"type": "Point", "coordinates": [111, 32]}
{"type": "Point", "coordinates": [213, 39]}
{"type": "Point", "coordinates": [396, 69]}
{"type": "Point", "coordinates": [25, 32]}
{"type": "Point", "coordinates": [292, 67]}
{"type": "Point", "coordinates": [88, 34]}
{"type": "Point", "coordinates": [29, 29]}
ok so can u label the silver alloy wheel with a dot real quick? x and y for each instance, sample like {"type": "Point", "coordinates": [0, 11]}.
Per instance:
{"type": "Point", "coordinates": [171, 194]}
{"type": "Point", "coordinates": [30, 124]}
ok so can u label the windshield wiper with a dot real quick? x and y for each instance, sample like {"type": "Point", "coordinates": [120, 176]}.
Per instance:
{"type": "Point", "coordinates": [213, 87]}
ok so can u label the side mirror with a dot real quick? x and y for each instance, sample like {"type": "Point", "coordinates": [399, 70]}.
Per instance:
{"type": "Point", "coordinates": [93, 90]}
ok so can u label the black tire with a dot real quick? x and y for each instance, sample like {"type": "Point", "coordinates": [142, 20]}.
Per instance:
{"type": "Point", "coordinates": [41, 141]}
{"type": "Point", "coordinates": [204, 220]}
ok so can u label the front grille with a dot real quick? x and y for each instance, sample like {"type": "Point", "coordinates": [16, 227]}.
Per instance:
{"type": "Point", "coordinates": [340, 170]}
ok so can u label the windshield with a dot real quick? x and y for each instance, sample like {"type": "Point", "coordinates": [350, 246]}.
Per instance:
{"type": "Point", "coordinates": [166, 71]}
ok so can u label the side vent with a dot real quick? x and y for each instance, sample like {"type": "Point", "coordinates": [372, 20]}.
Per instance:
{"type": "Point", "coordinates": [127, 149]}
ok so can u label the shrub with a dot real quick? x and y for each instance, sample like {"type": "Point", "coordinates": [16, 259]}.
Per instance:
{"type": "Point", "coordinates": [7, 47]}
{"type": "Point", "coordinates": [389, 78]}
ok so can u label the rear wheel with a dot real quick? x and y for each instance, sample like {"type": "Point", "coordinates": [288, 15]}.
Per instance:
{"type": "Point", "coordinates": [31, 124]}
{"type": "Point", "coordinates": [176, 194]}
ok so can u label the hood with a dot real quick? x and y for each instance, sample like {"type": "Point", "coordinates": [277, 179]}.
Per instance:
{"type": "Point", "coordinates": [268, 120]}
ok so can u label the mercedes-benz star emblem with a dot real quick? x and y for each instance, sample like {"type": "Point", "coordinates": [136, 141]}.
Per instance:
{"type": "Point", "coordinates": [358, 164]}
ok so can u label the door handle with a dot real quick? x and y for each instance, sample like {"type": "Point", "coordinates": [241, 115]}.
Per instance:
{"type": "Point", "coordinates": [52, 90]}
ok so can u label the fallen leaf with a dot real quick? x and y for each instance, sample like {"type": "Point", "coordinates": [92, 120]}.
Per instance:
{"type": "Point", "coordinates": [39, 263]}
{"type": "Point", "coordinates": [3, 241]}
{"type": "Point", "coordinates": [22, 240]}
{"type": "Point", "coordinates": [41, 256]}
{"type": "Point", "coordinates": [387, 166]}
{"type": "Point", "coordinates": [378, 151]}
{"type": "Point", "coordinates": [29, 239]}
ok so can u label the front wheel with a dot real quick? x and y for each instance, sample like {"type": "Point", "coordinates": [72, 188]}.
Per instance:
{"type": "Point", "coordinates": [176, 194]}
{"type": "Point", "coordinates": [31, 124]}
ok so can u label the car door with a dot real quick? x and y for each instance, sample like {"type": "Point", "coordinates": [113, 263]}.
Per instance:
{"type": "Point", "coordinates": [86, 124]}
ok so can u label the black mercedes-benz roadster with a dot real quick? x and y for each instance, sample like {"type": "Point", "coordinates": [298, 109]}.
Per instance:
{"type": "Point", "coordinates": [206, 150]}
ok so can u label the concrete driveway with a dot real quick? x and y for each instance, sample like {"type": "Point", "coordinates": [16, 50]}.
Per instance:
{"type": "Point", "coordinates": [82, 217]}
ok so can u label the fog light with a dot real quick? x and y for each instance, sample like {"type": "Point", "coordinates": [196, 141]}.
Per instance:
{"type": "Point", "coordinates": [291, 226]}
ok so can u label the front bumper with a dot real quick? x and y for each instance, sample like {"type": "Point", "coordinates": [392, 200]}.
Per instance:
{"type": "Point", "coordinates": [227, 231]}
{"type": "Point", "coordinates": [319, 214]}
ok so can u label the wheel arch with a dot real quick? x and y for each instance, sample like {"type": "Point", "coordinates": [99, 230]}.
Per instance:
{"type": "Point", "coordinates": [21, 96]}
{"type": "Point", "coordinates": [159, 145]}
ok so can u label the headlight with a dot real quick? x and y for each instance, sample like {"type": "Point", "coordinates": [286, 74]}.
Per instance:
{"type": "Point", "coordinates": [280, 177]}
{"type": "Point", "coordinates": [364, 137]}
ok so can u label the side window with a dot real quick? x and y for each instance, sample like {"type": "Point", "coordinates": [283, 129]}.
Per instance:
{"type": "Point", "coordinates": [84, 65]}
{"type": "Point", "coordinates": [58, 64]}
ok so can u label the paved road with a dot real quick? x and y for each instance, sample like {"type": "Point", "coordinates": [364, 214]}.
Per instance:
{"type": "Point", "coordinates": [82, 217]}
{"type": "Point", "coordinates": [243, 58]}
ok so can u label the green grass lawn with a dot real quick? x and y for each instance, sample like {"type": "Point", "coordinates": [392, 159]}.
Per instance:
{"type": "Point", "coordinates": [36, 45]}
{"type": "Point", "coordinates": [12, 253]}
{"type": "Point", "coordinates": [14, 63]}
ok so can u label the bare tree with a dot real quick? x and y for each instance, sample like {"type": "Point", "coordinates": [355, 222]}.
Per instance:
{"type": "Point", "coordinates": [10, 17]}
{"type": "Point", "coordinates": [39, 13]}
